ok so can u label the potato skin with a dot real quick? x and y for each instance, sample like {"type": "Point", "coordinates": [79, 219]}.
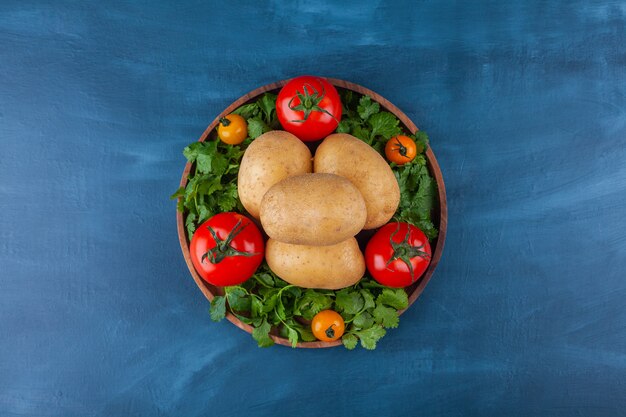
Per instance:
{"type": "Point", "coordinates": [345, 155]}
{"type": "Point", "coordinates": [324, 267]}
{"type": "Point", "coordinates": [313, 209]}
{"type": "Point", "coordinates": [270, 158]}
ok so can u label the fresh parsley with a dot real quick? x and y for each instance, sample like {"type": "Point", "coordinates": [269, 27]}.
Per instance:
{"type": "Point", "coordinates": [266, 302]}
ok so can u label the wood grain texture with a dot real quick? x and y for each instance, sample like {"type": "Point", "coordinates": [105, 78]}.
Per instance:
{"type": "Point", "coordinates": [440, 218]}
{"type": "Point", "coordinates": [526, 105]}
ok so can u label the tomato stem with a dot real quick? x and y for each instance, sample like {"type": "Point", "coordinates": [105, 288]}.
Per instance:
{"type": "Point", "coordinates": [330, 332]}
{"type": "Point", "coordinates": [402, 150]}
{"type": "Point", "coordinates": [309, 102]}
{"type": "Point", "coordinates": [405, 251]}
{"type": "Point", "coordinates": [224, 121]}
{"type": "Point", "coordinates": [222, 248]}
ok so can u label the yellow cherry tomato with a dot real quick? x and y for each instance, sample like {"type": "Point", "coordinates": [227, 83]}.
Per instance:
{"type": "Point", "coordinates": [328, 326]}
{"type": "Point", "coordinates": [232, 129]}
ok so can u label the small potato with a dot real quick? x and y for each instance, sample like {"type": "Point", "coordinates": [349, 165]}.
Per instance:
{"type": "Point", "coordinates": [325, 267]}
{"type": "Point", "coordinates": [345, 155]}
{"type": "Point", "coordinates": [313, 209]}
{"type": "Point", "coordinates": [270, 158]}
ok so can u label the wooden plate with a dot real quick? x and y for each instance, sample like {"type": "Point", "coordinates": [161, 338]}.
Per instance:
{"type": "Point", "coordinates": [440, 218]}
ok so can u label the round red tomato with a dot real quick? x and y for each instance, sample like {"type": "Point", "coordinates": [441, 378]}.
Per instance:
{"type": "Point", "coordinates": [309, 107]}
{"type": "Point", "coordinates": [227, 249]}
{"type": "Point", "coordinates": [397, 255]}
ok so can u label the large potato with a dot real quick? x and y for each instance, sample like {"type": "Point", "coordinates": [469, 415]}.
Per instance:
{"type": "Point", "coordinates": [345, 155]}
{"type": "Point", "coordinates": [313, 209]}
{"type": "Point", "coordinates": [270, 158]}
{"type": "Point", "coordinates": [327, 267]}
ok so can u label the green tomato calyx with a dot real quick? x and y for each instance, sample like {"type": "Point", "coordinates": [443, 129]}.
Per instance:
{"type": "Point", "coordinates": [309, 102]}
{"type": "Point", "coordinates": [222, 248]}
{"type": "Point", "coordinates": [404, 251]}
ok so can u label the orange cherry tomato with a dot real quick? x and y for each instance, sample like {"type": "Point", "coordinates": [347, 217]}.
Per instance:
{"type": "Point", "coordinates": [328, 326]}
{"type": "Point", "coordinates": [232, 129]}
{"type": "Point", "coordinates": [400, 149]}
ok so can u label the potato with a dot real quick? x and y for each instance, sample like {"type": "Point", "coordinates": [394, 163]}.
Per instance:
{"type": "Point", "coordinates": [326, 267]}
{"type": "Point", "coordinates": [313, 209]}
{"type": "Point", "coordinates": [345, 155]}
{"type": "Point", "coordinates": [270, 158]}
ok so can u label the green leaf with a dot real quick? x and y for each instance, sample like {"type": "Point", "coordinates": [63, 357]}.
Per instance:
{"type": "Point", "coordinates": [267, 103]}
{"type": "Point", "coordinates": [293, 336]}
{"type": "Point", "coordinates": [349, 341]}
{"type": "Point", "coordinates": [238, 298]}
{"type": "Point", "coordinates": [247, 110]}
{"type": "Point", "coordinates": [270, 302]}
{"type": "Point", "coordinates": [227, 200]}
{"type": "Point", "coordinates": [363, 320]}
{"type": "Point", "coordinates": [265, 279]}
{"type": "Point", "coordinates": [256, 127]}
{"type": "Point", "coordinates": [394, 297]}
{"type": "Point", "coordinates": [368, 298]}
{"type": "Point", "coordinates": [367, 107]}
{"type": "Point", "coordinates": [386, 316]}
{"type": "Point", "coordinates": [203, 213]}
{"type": "Point", "coordinates": [384, 124]}
{"type": "Point", "coordinates": [427, 227]}
{"type": "Point", "coordinates": [218, 308]}
{"type": "Point", "coordinates": [362, 133]}
{"type": "Point", "coordinates": [426, 193]}
{"type": "Point", "coordinates": [369, 337]}
{"type": "Point", "coordinates": [179, 193]}
{"type": "Point", "coordinates": [306, 334]}
{"type": "Point", "coordinates": [343, 127]}
{"type": "Point", "coordinates": [421, 138]}
{"type": "Point", "coordinates": [256, 307]}
{"type": "Point", "coordinates": [192, 151]}
{"type": "Point", "coordinates": [311, 303]}
{"type": "Point", "coordinates": [261, 334]}
{"type": "Point", "coordinates": [349, 301]}
{"type": "Point", "coordinates": [190, 224]}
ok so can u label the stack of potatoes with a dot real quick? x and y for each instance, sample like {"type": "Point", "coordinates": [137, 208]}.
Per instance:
{"type": "Point", "coordinates": [312, 209]}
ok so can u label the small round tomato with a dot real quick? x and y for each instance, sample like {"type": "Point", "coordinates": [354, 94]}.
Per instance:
{"type": "Point", "coordinates": [397, 255]}
{"type": "Point", "coordinates": [328, 326]}
{"type": "Point", "coordinates": [227, 249]}
{"type": "Point", "coordinates": [309, 107]}
{"type": "Point", "coordinates": [400, 149]}
{"type": "Point", "coordinates": [232, 129]}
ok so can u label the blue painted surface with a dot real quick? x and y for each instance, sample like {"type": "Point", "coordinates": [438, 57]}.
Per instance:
{"type": "Point", "coordinates": [525, 103]}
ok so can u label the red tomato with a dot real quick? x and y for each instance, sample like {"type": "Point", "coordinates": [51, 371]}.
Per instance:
{"type": "Point", "coordinates": [227, 249]}
{"type": "Point", "coordinates": [309, 107]}
{"type": "Point", "coordinates": [397, 255]}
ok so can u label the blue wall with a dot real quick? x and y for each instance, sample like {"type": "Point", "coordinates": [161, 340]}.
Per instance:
{"type": "Point", "coordinates": [525, 103]}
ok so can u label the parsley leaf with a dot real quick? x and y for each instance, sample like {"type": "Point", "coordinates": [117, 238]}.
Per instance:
{"type": "Point", "coordinates": [267, 103]}
{"type": "Point", "coordinates": [238, 298]}
{"type": "Point", "coordinates": [367, 107]}
{"type": "Point", "coordinates": [343, 127]}
{"type": "Point", "coordinates": [311, 303]}
{"type": "Point", "coordinates": [363, 320]}
{"type": "Point", "coordinates": [369, 337]}
{"type": "Point", "coordinates": [256, 127]}
{"type": "Point", "coordinates": [349, 341]}
{"type": "Point", "coordinates": [218, 308]}
{"type": "Point", "coordinates": [384, 124]}
{"type": "Point", "coordinates": [349, 301]}
{"type": "Point", "coordinates": [248, 110]}
{"type": "Point", "coordinates": [292, 334]}
{"type": "Point", "coordinates": [261, 334]}
{"type": "Point", "coordinates": [386, 316]}
{"type": "Point", "coordinates": [394, 297]}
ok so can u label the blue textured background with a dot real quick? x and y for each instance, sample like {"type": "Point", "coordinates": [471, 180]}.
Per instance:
{"type": "Point", "coordinates": [525, 103]}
